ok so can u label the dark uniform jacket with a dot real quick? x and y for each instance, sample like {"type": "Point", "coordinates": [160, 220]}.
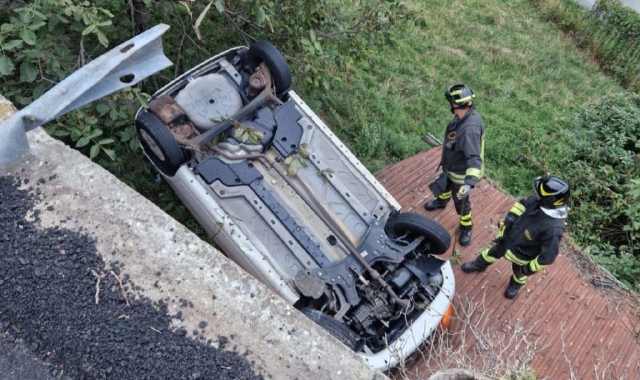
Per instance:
{"type": "Point", "coordinates": [535, 234]}
{"type": "Point", "coordinates": [463, 149]}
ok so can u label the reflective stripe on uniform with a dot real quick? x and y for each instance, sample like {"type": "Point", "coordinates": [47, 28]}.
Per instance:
{"type": "Point", "coordinates": [473, 172]}
{"type": "Point", "coordinates": [512, 257]}
{"type": "Point", "coordinates": [518, 209]}
{"type": "Point", "coordinates": [465, 220]}
{"type": "Point", "coordinates": [482, 155]}
{"type": "Point", "coordinates": [458, 179]}
{"type": "Point", "coordinates": [535, 266]}
{"type": "Point", "coordinates": [445, 196]}
{"type": "Point", "coordinates": [520, 280]}
{"type": "Point", "coordinates": [487, 258]}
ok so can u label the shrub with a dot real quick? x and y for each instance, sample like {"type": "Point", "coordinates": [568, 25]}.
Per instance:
{"type": "Point", "coordinates": [603, 163]}
{"type": "Point", "coordinates": [610, 31]}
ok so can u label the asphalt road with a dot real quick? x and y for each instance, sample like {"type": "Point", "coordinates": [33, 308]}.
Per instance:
{"type": "Point", "coordinates": [61, 303]}
{"type": "Point", "coordinates": [17, 362]}
{"type": "Point", "coordinates": [635, 4]}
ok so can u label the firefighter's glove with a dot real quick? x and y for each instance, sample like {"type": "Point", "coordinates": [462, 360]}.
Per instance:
{"type": "Point", "coordinates": [509, 220]}
{"type": "Point", "coordinates": [463, 192]}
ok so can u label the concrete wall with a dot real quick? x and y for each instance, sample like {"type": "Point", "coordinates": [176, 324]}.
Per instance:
{"type": "Point", "coordinates": [170, 263]}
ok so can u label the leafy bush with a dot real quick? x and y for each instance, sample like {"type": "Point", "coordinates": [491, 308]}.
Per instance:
{"type": "Point", "coordinates": [603, 163]}
{"type": "Point", "coordinates": [611, 31]}
{"type": "Point", "coordinates": [29, 66]}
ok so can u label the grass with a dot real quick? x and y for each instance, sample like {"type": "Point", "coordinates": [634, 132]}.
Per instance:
{"type": "Point", "coordinates": [529, 79]}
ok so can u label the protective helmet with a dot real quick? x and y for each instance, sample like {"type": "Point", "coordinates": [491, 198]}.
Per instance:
{"type": "Point", "coordinates": [460, 95]}
{"type": "Point", "coordinates": [553, 192]}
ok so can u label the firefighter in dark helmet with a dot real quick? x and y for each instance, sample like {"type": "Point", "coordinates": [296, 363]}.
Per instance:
{"type": "Point", "coordinates": [462, 158]}
{"type": "Point", "coordinates": [530, 233]}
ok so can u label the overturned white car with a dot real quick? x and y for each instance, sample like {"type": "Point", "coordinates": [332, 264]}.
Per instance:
{"type": "Point", "coordinates": [288, 202]}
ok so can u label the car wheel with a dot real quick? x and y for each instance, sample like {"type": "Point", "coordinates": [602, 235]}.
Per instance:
{"type": "Point", "coordinates": [263, 51]}
{"type": "Point", "coordinates": [158, 143]}
{"type": "Point", "coordinates": [337, 329]}
{"type": "Point", "coordinates": [438, 238]}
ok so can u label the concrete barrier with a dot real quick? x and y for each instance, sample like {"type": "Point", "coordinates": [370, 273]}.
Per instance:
{"type": "Point", "coordinates": [167, 262]}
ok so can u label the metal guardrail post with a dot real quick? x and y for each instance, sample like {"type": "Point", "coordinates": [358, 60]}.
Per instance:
{"type": "Point", "coordinates": [121, 67]}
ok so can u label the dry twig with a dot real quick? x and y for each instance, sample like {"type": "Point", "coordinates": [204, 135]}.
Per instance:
{"type": "Point", "coordinates": [124, 294]}
{"type": "Point", "coordinates": [97, 276]}
{"type": "Point", "coordinates": [470, 344]}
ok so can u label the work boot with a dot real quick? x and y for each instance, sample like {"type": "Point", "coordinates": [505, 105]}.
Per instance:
{"type": "Point", "coordinates": [477, 265]}
{"type": "Point", "coordinates": [465, 236]}
{"type": "Point", "coordinates": [436, 204]}
{"type": "Point", "coordinates": [512, 289]}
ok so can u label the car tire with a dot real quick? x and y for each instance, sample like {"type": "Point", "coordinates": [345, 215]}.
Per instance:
{"type": "Point", "coordinates": [263, 51]}
{"type": "Point", "coordinates": [158, 143]}
{"type": "Point", "coordinates": [435, 234]}
{"type": "Point", "coordinates": [337, 329]}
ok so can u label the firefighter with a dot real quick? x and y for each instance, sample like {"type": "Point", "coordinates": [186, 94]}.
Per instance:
{"type": "Point", "coordinates": [462, 158]}
{"type": "Point", "coordinates": [529, 235]}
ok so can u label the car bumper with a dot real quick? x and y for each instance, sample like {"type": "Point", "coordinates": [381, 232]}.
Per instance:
{"type": "Point", "coordinates": [419, 331]}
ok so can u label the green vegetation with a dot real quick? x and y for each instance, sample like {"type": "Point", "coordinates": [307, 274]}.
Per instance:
{"type": "Point", "coordinates": [544, 73]}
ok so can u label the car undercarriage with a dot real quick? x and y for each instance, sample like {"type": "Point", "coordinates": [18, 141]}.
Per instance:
{"type": "Point", "coordinates": [285, 199]}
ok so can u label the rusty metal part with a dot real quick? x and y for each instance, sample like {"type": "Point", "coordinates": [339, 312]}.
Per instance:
{"type": "Point", "coordinates": [260, 79]}
{"type": "Point", "coordinates": [265, 96]}
{"type": "Point", "coordinates": [167, 110]}
{"type": "Point", "coordinates": [183, 131]}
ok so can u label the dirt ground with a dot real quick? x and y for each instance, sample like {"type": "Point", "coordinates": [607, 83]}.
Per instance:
{"type": "Point", "coordinates": [60, 303]}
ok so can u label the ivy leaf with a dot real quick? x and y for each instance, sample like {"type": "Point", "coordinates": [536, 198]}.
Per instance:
{"type": "Point", "coordinates": [75, 134]}
{"type": "Point", "coordinates": [102, 38]}
{"type": "Point", "coordinates": [142, 98]}
{"type": "Point", "coordinates": [6, 65]}
{"type": "Point", "coordinates": [94, 151]}
{"type": "Point", "coordinates": [127, 134]}
{"type": "Point", "coordinates": [257, 136]}
{"type": "Point", "coordinates": [293, 168]}
{"type": "Point", "coordinates": [261, 16]}
{"type": "Point", "coordinates": [28, 72]}
{"type": "Point", "coordinates": [288, 160]}
{"type": "Point", "coordinates": [219, 4]}
{"type": "Point", "coordinates": [84, 141]}
{"type": "Point", "coordinates": [28, 36]}
{"type": "Point", "coordinates": [111, 153]}
{"type": "Point", "coordinates": [133, 144]}
{"type": "Point", "coordinates": [10, 45]}
{"type": "Point", "coordinates": [95, 133]}
{"type": "Point", "coordinates": [102, 108]}
{"type": "Point", "coordinates": [38, 24]}
{"type": "Point", "coordinates": [107, 12]}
